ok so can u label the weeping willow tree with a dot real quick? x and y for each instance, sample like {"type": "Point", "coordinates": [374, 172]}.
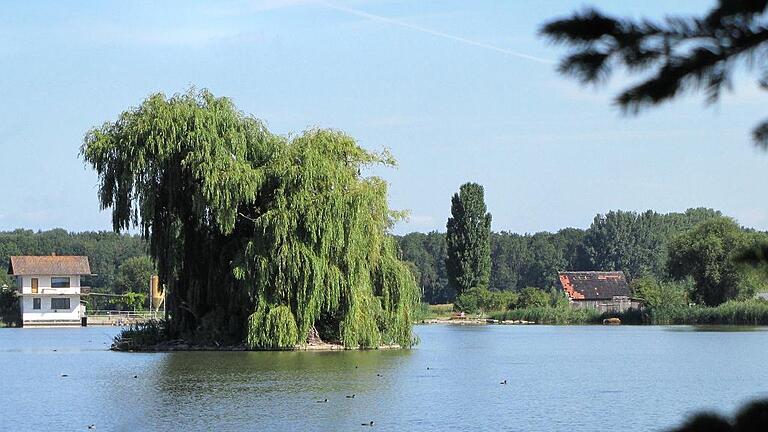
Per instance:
{"type": "Point", "coordinates": [257, 237]}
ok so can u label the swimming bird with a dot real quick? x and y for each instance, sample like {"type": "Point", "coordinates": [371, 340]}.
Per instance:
{"type": "Point", "coordinates": [322, 401]}
{"type": "Point", "coordinates": [367, 424]}
{"type": "Point", "coordinates": [427, 367]}
{"type": "Point", "coordinates": [64, 375]}
{"type": "Point", "coordinates": [503, 382]}
{"type": "Point", "coordinates": [352, 396]}
{"type": "Point", "coordinates": [135, 376]}
{"type": "Point", "coordinates": [92, 426]}
{"type": "Point", "coordinates": [378, 375]}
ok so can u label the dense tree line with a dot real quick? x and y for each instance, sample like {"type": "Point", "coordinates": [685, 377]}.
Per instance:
{"type": "Point", "coordinates": [636, 243]}
{"type": "Point", "coordinates": [106, 251]}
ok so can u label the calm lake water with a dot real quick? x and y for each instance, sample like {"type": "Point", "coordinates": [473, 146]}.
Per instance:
{"type": "Point", "coordinates": [559, 378]}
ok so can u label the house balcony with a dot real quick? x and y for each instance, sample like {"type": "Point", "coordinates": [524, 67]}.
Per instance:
{"type": "Point", "coordinates": [59, 291]}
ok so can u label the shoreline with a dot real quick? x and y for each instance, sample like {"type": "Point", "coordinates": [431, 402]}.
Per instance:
{"type": "Point", "coordinates": [473, 321]}
{"type": "Point", "coordinates": [179, 345]}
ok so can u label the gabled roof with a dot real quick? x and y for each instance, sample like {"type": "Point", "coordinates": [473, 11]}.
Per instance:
{"type": "Point", "coordinates": [49, 265]}
{"type": "Point", "coordinates": [594, 285]}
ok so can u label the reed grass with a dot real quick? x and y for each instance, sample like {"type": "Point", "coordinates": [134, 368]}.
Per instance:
{"type": "Point", "coordinates": [741, 312]}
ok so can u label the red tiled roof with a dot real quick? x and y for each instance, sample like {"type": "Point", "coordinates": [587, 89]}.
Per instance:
{"type": "Point", "coordinates": [594, 285]}
{"type": "Point", "coordinates": [49, 265]}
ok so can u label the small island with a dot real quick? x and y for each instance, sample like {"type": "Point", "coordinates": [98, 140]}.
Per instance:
{"type": "Point", "coordinates": [261, 241]}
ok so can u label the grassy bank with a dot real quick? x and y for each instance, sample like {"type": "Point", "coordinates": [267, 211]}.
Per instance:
{"type": "Point", "coordinates": [429, 312]}
{"type": "Point", "coordinates": [747, 312]}
{"type": "Point", "coordinates": [550, 315]}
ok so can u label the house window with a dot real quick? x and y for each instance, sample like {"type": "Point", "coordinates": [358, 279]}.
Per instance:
{"type": "Point", "coordinates": [59, 303]}
{"type": "Point", "coordinates": [35, 303]}
{"type": "Point", "coordinates": [59, 282]}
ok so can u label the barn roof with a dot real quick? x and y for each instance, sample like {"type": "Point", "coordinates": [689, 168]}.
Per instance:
{"type": "Point", "coordinates": [594, 285]}
{"type": "Point", "coordinates": [49, 265]}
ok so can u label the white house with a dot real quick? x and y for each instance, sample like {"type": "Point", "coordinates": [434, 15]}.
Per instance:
{"type": "Point", "coordinates": [50, 288]}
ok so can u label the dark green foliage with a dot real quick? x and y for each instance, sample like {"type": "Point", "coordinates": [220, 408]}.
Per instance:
{"type": "Point", "coordinates": [133, 275]}
{"type": "Point", "coordinates": [132, 281]}
{"type": "Point", "coordinates": [130, 301]}
{"type": "Point", "coordinates": [750, 418]}
{"type": "Point", "coordinates": [532, 297]}
{"type": "Point", "coordinates": [671, 56]}
{"type": "Point", "coordinates": [476, 300]}
{"type": "Point", "coordinates": [256, 236]}
{"type": "Point", "coordinates": [753, 417]}
{"type": "Point", "coordinates": [510, 258]}
{"type": "Point", "coordinates": [635, 243]}
{"type": "Point", "coordinates": [519, 261]}
{"type": "Point", "coordinates": [558, 298]}
{"type": "Point", "coordinates": [656, 294]}
{"type": "Point", "coordinates": [428, 253]}
{"type": "Point", "coordinates": [468, 263]}
{"type": "Point", "coordinates": [10, 309]}
{"type": "Point", "coordinates": [546, 259]}
{"type": "Point", "coordinates": [705, 423]}
{"type": "Point", "coordinates": [707, 254]}
{"type": "Point", "coordinates": [142, 336]}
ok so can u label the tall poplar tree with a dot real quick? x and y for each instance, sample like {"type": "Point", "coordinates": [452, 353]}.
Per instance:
{"type": "Point", "coordinates": [469, 240]}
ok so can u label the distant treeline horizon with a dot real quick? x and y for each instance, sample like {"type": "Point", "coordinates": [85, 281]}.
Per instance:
{"type": "Point", "coordinates": [633, 242]}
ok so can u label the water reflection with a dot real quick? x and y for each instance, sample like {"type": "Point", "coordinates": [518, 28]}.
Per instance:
{"type": "Point", "coordinates": [276, 389]}
{"type": "Point", "coordinates": [559, 378]}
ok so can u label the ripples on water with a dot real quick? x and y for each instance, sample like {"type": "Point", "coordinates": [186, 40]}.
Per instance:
{"type": "Point", "coordinates": [574, 378]}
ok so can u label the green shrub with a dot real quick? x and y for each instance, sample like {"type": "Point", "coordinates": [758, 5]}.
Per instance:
{"type": "Point", "coordinates": [532, 297]}
{"type": "Point", "coordinates": [471, 300]}
{"type": "Point", "coordinates": [141, 336]}
{"type": "Point", "coordinates": [657, 294]}
{"type": "Point", "coordinates": [476, 300]}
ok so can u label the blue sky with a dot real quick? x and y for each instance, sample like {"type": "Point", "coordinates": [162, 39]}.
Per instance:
{"type": "Point", "coordinates": [457, 90]}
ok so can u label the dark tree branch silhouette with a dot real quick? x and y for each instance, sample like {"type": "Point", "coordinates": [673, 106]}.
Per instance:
{"type": "Point", "coordinates": [673, 55]}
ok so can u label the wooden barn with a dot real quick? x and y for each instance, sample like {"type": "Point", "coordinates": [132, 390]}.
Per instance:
{"type": "Point", "coordinates": [606, 291]}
